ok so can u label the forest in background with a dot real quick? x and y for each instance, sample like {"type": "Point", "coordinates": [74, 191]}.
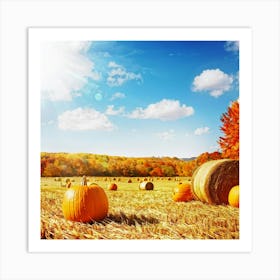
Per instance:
{"type": "Point", "coordinates": [79, 164]}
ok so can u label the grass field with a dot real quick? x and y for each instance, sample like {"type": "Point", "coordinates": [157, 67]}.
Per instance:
{"type": "Point", "coordinates": [135, 214]}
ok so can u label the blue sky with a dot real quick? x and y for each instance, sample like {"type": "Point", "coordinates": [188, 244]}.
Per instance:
{"type": "Point", "coordinates": [136, 98]}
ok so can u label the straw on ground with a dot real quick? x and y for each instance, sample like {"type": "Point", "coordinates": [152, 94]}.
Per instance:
{"type": "Point", "coordinates": [134, 214]}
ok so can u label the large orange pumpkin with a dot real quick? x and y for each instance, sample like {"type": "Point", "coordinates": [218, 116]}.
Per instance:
{"type": "Point", "coordinates": [85, 204]}
{"type": "Point", "coordinates": [233, 196]}
{"type": "Point", "coordinates": [112, 187]}
{"type": "Point", "coordinates": [183, 192]}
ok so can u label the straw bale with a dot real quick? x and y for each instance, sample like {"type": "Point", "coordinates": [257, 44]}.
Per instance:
{"type": "Point", "coordinates": [212, 181]}
{"type": "Point", "coordinates": [146, 186]}
{"type": "Point", "coordinates": [112, 187]}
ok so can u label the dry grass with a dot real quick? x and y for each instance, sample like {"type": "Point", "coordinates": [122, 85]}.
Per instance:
{"type": "Point", "coordinates": [135, 214]}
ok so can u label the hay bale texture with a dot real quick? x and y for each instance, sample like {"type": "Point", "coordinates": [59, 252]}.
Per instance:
{"type": "Point", "coordinates": [112, 187]}
{"type": "Point", "coordinates": [146, 186]}
{"type": "Point", "coordinates": [212, 181]}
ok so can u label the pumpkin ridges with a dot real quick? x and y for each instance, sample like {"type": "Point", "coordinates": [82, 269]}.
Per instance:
{"type": "Point", "coordinates": [233, 196]}
{"type": "Point", "coordinates": [78, 200]}
{"type": "Point", "coordinates": [85, 203]}
{"type": "Point", "coordinates": [68, 207]}
{"type": "Point", "coordinates": [86, 212]}
{"type": "Point", "coordinates": [98, 204]}
{"type": "Point", "coordinates": [183, 193]}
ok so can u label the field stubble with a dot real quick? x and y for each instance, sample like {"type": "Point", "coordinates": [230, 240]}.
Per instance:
{"type": "Point", "coordinates": [136, 214]}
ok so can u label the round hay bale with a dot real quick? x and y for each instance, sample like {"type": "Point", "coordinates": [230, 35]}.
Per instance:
{"type": "Point", "coordinates": [212, 181]}
{"type": "Point", "coordinates": [129, 181]}
{"type": "Point", "coordinates": [68, 183]}
{"type": "Point", "coordinates": [112, 187]}
{"type": "Point", "coordinates": [146, 186]}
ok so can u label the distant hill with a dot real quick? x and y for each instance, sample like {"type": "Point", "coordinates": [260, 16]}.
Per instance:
{"type": "Point", "coordinates": [188, 159]}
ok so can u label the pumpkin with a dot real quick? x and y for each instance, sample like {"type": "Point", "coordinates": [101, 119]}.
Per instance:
{"type": "Point", "coordinates": [85, 204]}
{"type": "Point", "coordinates": [112, 187]}
{"type": "Point", "coordinates": [146, 186]}
{"type": "Point", "coordinates": [233, 196]}
{"type": "Point", "coordinates": [212, 181]}
{"type": "Point", "coordinates": [183, 192]}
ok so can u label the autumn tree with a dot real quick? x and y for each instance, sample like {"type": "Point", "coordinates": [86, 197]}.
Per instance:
{"type": "Point", "coordinates": [229, 143]}
{"type": "Point", "coordinates": [78, 164]}
{"type": "Point", "coordinates": [156, 172]}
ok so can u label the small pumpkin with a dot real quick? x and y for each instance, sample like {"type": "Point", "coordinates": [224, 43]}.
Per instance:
{"type": "Point", "coordinates": [233, 196]}
{"type": "Point", "coordinates": [112, 187]}
{"type": "Point", "coordinates": [85, 204]}
{"type": "Point", "coordinates": [183, 192]}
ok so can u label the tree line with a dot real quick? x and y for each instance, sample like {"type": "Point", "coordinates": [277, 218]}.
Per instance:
{"type": "Point", "coordinates": [78, 164]}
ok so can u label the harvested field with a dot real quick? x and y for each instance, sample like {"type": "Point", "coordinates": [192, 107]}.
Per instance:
{"type": "Point", "coordinates": [135, 214]}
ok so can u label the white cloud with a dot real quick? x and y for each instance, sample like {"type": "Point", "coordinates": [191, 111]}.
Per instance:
{"type": "Point", "coordinates": [232, 46]}
{"type": "Point", "coordinates": [117, 95]}
{"type": "Point", "coordinates": [65, 69]}
{"type": "Point", "coordinates": [112, 112]}
{"type": "Point", "coordinates": [166, 135]}
{"type": "Point", "coordinates": [201, 130]}
{"type": "Point", "coordinates": [84, 119]}
{"type": "Point", "coordinates": [213, 80]}
{"type": "Point", "coordinates": [113, 64]}
{"type": "Point", "coordinates": [164, 110]}
{"type": "Point", "coordinates": [118, 75]}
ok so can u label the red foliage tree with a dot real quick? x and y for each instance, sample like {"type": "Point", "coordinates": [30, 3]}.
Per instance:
{"type": "Point", "coordinates": [229, 143]}
{"type": "Point", "coordinates": [204, 157]}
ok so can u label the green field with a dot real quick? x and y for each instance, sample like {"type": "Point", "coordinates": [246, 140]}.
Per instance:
{"type": "Point", "coordinates": [137, 214]}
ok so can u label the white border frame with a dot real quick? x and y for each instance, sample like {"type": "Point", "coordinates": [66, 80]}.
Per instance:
{"type": "Point", "coordinates": [39, 35]}
{"type": "Point", "coordinates": [262, 16]}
